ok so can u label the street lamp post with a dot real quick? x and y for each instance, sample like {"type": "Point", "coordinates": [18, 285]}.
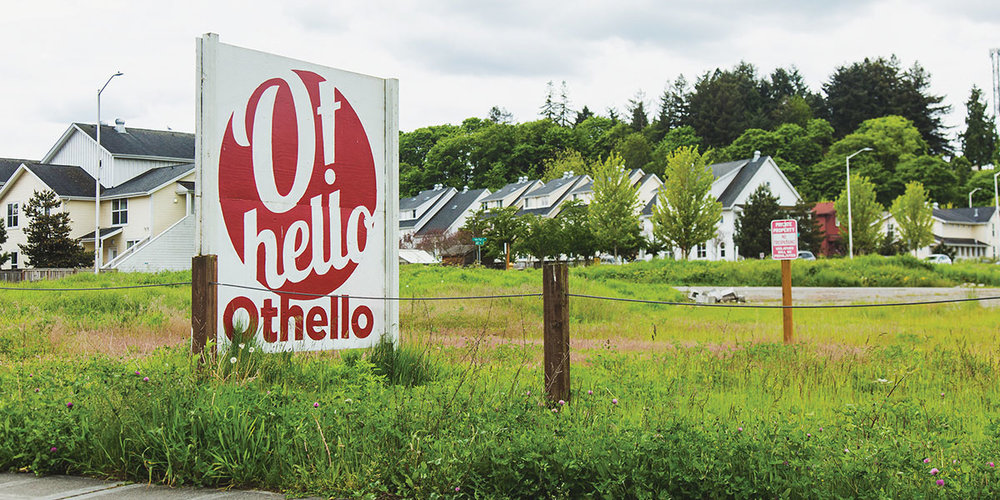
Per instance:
{"type": "Point", "coordinates": [97, 181]}
{"type": "Point", "coordinates": [850, 219]}
{"type": "Point", "coordinates": [970, 195]}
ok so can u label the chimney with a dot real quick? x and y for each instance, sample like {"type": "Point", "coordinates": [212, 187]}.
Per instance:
{"type": "Point", "coordinates": [120, 126]}
{"type": "Point", "coordinates": [756, 155]}
{"type": "Point", "coordinates": [465, 189]}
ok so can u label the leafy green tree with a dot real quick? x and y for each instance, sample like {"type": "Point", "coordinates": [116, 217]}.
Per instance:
{"type": "Point", "coordinates": [567, 160]}
{"type": "Point", "coordinates": [724, 104]}
{"type": "Point", "coordinates": [543, 238]}
{"type": "Point", "coordinates": [753, 224]}
{"type": "Point", "coordinates": [675, 138]}
{"type": "Point", "coordinates": [866, 215]}
{"type": "Point", "coordinates": [613, 211]}
{"type": "Point", "coordinates": [500, 226]}
{"type": "Point", "coordinates": [577, 233]}
{"type": "Point", "coordinates": [983, 180]}
{"type": "Point", "coordinates": [913, 215]}
{"type": "Point", "coordinates": [686, 214]}
{"type": "Point", "coordinates": [48, 242]}
{"type": "Point", "coordinates": [582, 115]}
{"type": "Point", "coordinates": [979, 141]}
{"type": "Point", "coordinates": [934, 175]}
{"type": "Point", "coordinates": [635, 151]}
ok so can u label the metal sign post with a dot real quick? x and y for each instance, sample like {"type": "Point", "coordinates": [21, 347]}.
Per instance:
{"type": "Point", "coordinates": [785, 247]}
{"type": "Point", "coordinates": [479, 240]}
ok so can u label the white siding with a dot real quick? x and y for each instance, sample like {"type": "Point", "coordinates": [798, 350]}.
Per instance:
{"type": "Point", "coordinates": [81, 150]}
{"type": "Point", "coordinates": [171, 250]}
{"type": "Point", "coordinates": [127, 168]}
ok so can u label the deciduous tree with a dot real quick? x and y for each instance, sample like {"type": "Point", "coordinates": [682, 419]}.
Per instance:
{"type": "Point", "coordinates": [913, 215]}
{"type": "Point", "coordinates": [686, 214]}
{"type": "Point", "coordinates": [866, 215]}
{"type": "Point", "coordinates": [613, 216]}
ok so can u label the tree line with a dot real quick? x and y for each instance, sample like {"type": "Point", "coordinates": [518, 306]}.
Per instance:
{"type": "Point", "coordinates": [730, 113]}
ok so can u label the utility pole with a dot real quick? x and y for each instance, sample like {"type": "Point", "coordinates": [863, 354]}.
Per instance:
{"type": "Point", "coordinates": [995, 63]}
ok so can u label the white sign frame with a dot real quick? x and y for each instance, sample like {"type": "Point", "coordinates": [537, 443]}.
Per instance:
{"type": "Point", "coordinates": [784, 239]}
{"type": "Point", "coordinates": [225, 75]}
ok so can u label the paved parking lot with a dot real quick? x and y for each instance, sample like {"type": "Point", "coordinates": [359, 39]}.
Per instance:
{"type": "Point", "coordinates": [28, 486]}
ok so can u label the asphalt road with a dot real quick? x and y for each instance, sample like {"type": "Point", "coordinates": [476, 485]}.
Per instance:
{"type": "Point", "coordinates": [829, 295]}
{"type": "Point", "coordinates": [28, 486]}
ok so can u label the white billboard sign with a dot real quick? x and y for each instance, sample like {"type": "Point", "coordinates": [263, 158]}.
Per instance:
{"type": "Point", "coordinates": [297, 195]}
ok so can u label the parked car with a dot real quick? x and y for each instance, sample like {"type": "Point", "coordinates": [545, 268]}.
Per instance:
{"type": "Point", "coordinates": [938, 258]}
{"type": "Point", "coordinates": [806, 255]}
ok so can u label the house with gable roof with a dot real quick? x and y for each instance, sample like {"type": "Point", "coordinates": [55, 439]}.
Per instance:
{"type": "Point", "coordinates": [147, 193]}
{"type": "Point", "coordinates": [546, 200]}
{"type": "Point", "coordinates": [511, 195]}
{"type": "Point", "coordinates": [416, 211]}
{"type": "Point", "coordinates": [646, 185]}
{"type": "Point", "coordinates": [970, 232]}
{"type": "Point", "coordinates": [73, 187]}
{"type": "Point", "coordinates": [452, 216]}
{"type": "Point", "coordinates": [733, 184]}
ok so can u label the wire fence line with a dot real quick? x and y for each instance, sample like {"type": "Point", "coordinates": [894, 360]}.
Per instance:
{"type": "Point", "coordinates": [518, 295]}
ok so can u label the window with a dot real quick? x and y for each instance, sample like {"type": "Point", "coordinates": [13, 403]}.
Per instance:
{"type": "Point", "coordinates": [12, 211]}
{"type": "Point", "coordinates": [890, 231]}
{"type": "Point", "coordinates": [13, 260]}
{"type": "Point", "coordinates": [130, 244]}
{"type": "Point", "coordinates": [702, 251]}
{"type": "Point", "coordinates": [119, 212]}
{"type": "Point", "coordinates": [722, 250]}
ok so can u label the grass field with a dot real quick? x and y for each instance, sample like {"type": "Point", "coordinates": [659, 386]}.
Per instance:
{"type": "Point", "coordinates": [668, 401]}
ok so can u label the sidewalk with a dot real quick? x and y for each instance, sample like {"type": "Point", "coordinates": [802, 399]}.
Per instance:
{"type": "Point", "coordinates": [28, 486]}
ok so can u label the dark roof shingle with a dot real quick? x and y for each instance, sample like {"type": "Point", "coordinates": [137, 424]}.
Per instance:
{"type": "Point", "coordinates": [143, 142]}
{"type": "Point", "coordinates": [8, 166]}
{"type": "Point", "coordinates": [975, 215]}
{"type": "Point", "coordinates": [451, 211]}
{"type": "Point", "coordinates": [65, 180]}
{"type": "Point", "coordinates": [149, 180]}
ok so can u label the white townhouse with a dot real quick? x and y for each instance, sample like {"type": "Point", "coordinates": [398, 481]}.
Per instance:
{"type": "Point", "coordinates": [734, 182]}
{"type": "Point", "coordinates": [415, 211]}
{"type": "Point", "coordinates": [546, 200]}
{"type": "Point", "coordinates": [452, 216]}
{"type": "Point", "coordinates": [970, 232]}
{"type": "Point", "coordinates": [147, 194]}
{"type": "Point", "coordinates": [511, 195]}
{"type": "Point", "coordinates": [646, 185]}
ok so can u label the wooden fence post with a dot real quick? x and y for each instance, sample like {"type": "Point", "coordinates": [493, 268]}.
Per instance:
{"type": "Point", "coordinates": [786, 301]}
{"type": "Point", "coordinates": [555, 290]}
{"type": "Point", "coordinates": [204, 303]}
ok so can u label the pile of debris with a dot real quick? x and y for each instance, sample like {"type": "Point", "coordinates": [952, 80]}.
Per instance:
{"type": "Point", "coordinates": [716, 295]}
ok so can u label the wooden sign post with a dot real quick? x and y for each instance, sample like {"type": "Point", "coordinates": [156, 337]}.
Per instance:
{"type": "Point", "coordinates": [785, 247]}
{"type": "Point", "coordinates": [204, 303]}
{"type": "Point", "coordinates": [555, 290]}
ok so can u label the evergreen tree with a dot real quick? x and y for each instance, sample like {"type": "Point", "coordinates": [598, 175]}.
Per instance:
{"type": "Point", "coordinates": [613, 211]}
{"type": "Point", "coordinates": [810, 231]}
{"type": "Point", "coordinates": [686, 214]}
{"type": "Point", "coordinates": [499, 114]}
{"type": "Point", "coordinates": [582, 116]}
{"type": "Point", "coordinates": [637, 112]}
{"type": "Point", "coordinates": [913, 215]}
{"type": "Point", "coordinates": [563, 111]}
{"type": "Point", "coordinates": [48, 242]}
{"type": "Point", "coordinates": [979, 141]}
{"type": "Point", "coordinates": [3, 239]}
{"type": "Point", "coordinates": [550, 108]}
{"type": "Point", "coordinates": [753, 225]}
{"type": "Point", "coordinates": [866, 214]}
{"type": "Point", "coordinates": [674, 104]}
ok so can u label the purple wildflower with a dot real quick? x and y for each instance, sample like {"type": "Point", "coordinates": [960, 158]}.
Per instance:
{"type": "Point", "coordinates": [53, 449]}
{"type": "Point", "coordinates": [69, 405]}
{"type": "Point", "coordinates": [940, 482]}
{"type": "Point", "coordinates": [991, 464]}
{"type": "Point", "coordinates": [316, 404]}
{"type": "Point", "coordinates": [145, 379]}
{"type": "Point", "coordinates": [590, 393]}
{"type": "Point", "coordinates": [927, 460]}
{"type": "Point", "coordinates": [137, 372]}
{"type": "Point", "coordinates": [561, 402]}
{"type": "Point", "coordinates": [614, 401]}
{"type": "Point", "coordinates": [934, 471]}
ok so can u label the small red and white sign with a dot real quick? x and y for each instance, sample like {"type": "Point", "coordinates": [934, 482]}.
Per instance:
{"type": "Point", "coordinates": [297, 185]}
{"type": "Point", "coordinates": [784, 239]}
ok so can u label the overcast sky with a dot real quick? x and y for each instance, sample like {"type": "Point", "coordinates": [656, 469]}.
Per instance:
{"type": "Point", "coordinates": [455, 59]}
